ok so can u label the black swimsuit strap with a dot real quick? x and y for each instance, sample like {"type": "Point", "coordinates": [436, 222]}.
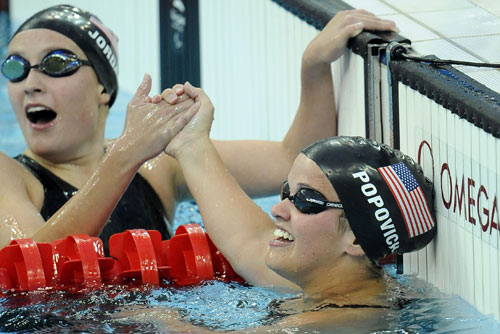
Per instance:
{"type": "Point", "coordinates": [138, 207]}
{"type": "Point", "coordinates": [275, 305]}
{"type": "Point", "coordinates": [332, 305]}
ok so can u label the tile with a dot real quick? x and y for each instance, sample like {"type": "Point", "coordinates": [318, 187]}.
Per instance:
{"type": "Point", "coordinates": [411, 6]}
{"type": "Point", "coordinates": [375, 6]}
{"type": "Point", "coordinates": [487, 47]}
{"type": "Point", "coordinates": [411, 29]}
{"type": "Point", "coordinates": [491, 6]}
{"type": "Point", "coordinates": [443, 49]}
{"type": "Point", "coordinates": [460, 22]}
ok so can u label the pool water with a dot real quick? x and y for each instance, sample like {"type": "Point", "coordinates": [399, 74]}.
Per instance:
{"type": "Point", "coordinates": [218, 306]}
{"type": "Point", "coordinates": [221, 306]}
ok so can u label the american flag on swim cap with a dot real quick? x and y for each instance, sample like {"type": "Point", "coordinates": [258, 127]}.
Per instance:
{"type": "Point", "coordinates": [409, 197]}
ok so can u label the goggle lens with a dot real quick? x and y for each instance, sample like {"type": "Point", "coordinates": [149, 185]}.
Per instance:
{"type": "Point", "coordinates": [14, 68]}
{"type": "Point", "coordinates": [57, 63]}
{"type": "Point", "coordinates": [307, 200]}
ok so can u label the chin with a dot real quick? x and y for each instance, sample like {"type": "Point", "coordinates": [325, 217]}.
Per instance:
{"type": "Point", "coordinates": [277, 263]}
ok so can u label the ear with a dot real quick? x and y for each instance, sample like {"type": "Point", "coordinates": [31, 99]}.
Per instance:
{"type": "Point", "coordinates": [104, 97]}
{"type": "Point", "coordinates": [352, 248]}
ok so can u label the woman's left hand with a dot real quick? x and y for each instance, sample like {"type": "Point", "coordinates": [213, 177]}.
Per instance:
{"type": "Point", "coordinates": [331, 42]}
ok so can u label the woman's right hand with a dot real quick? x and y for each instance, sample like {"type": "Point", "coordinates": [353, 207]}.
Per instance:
{"type": "Point", "coordinates": [151, 125]}
{"type": "Point", "coordinates": [198, 128]}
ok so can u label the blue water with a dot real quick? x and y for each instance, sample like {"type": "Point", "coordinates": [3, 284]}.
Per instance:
{"type": "Point", "coordinates": [221, 307]}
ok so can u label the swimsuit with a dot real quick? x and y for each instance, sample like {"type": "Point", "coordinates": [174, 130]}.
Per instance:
{"type": "Point", "coordinates": [276, 312]}
{"type": "Point", "coordinates": [139, 207]}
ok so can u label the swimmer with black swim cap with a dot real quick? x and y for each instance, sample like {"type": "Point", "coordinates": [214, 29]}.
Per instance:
{"type": "Point", "coordinates": [387, 200]}
{"type": "Point", "coordinates": [347, 203]}
{"type": "Point", "coordinates": [97, 42]}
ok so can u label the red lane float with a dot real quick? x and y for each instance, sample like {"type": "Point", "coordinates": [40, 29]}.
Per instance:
{"type": "Point", "coordinates": [189, 255]}
{"type": "Point", "coordinates": [26, 265]}
{"type": "Point", "coordinates": [136, 256]}
{"type": "Point", "coordinates": [139, 254]}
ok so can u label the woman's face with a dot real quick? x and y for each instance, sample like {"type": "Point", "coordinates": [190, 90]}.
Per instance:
{"type": "Point", "coordinates": [58, 116]}
{"type": "Point", "coordinates": [316, 242]}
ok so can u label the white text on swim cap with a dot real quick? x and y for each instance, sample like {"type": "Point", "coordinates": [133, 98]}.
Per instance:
{"type": "Point", "coordinates": [381, 214]}
{"type": "Point", "coordinates": [105, 47]}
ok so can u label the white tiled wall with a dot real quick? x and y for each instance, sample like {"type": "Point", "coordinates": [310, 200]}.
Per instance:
{"type": "Point", "coordinates": [464, 257]}
{"type": "Point", "coordinates": [466, 30]}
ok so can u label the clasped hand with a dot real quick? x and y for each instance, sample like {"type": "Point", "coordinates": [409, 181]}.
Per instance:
{"type": "Point", "coordinates": [152, 122]}
{"type": "Point", "coordinates": [198, 128]}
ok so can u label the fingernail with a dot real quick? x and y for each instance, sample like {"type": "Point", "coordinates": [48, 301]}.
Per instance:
{"type": "Point", "coordinates": [171, 97]}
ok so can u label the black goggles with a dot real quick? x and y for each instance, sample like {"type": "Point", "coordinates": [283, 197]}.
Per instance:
{"type": "Point", "coordinates": [307, 200]}
{"type": "Point", "coordinates": [58, 63]}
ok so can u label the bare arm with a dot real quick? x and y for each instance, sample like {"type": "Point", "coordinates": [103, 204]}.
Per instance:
{"type": "Point", "coordinates": [238, 227]}
{"type": "Point", "coordinates": [261, 166]}
{"type": "Point", "coordinates": [149, 127]}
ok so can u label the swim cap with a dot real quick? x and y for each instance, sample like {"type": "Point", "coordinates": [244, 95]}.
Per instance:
{"type": "Point", "coordinates": [87, 31]}
{"type": "Point", "coordinates": [387, 200]}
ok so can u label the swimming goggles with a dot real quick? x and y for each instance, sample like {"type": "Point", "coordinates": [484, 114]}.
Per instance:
{"type": "Point", "coordinates": [307, 200]}
{"type": "Point", "coordinates": [58, 63]}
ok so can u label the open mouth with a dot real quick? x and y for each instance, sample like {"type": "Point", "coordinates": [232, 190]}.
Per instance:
{"type": "Point", "coordinates": [283, 235]}
{"type": "Point", "coordinates": [40, 115]}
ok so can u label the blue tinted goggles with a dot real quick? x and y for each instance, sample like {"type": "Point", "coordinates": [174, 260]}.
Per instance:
{"type": "Point", "coordinates": [58, 63]}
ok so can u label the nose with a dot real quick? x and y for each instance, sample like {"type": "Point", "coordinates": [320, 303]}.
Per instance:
{"type": "Point", "coordinates": [34, 82]}
{"type": "Point", "coordinates": [281, 211]}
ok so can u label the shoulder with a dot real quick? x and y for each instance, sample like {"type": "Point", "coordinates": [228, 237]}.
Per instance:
{"type": "Point", "coordinates": [10, 167]}
{"type": "Point", "coordinates": [18, 180]}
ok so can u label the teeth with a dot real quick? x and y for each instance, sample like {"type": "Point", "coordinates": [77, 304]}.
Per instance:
{"type": "Point", "coordinates": [278, 233]}
{"type": "Point", "coordinates": [35, 109]}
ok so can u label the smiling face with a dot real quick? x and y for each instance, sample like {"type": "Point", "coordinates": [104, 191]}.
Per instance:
{"type": "Point", "coordinates": [306, 245]}
{"type": "Point", "coordinates": [60, 117]}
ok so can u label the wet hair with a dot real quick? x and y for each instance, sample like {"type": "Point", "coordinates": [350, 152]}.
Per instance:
{"type": "Point", "coordinates": [388, 202]}
{"type": "Point", "coordinates": [97, 42]}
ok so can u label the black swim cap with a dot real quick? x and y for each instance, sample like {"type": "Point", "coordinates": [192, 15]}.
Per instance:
{"type": "Point", "coordinates": [387, 200]}
{"type": "Point", "coordinates": [87, 31]}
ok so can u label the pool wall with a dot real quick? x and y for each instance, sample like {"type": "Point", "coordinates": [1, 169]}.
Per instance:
{"type": "Point", "coordinates": [450, 123]}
